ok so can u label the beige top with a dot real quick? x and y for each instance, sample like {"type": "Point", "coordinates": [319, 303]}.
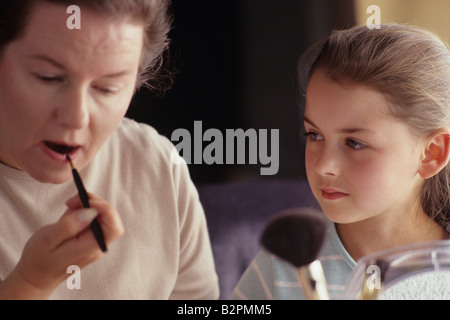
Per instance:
{"type": "Point", "coordinates": [165, 251]}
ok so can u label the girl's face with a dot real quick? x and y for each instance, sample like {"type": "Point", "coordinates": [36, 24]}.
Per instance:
{"type": "Point", "coordinates": [64, 91]}
{"type": "Point", "coordinates": [361, 162]}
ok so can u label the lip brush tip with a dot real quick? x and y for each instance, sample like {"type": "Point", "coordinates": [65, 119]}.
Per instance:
{"type": "Point", "coordinates": [70, 160]}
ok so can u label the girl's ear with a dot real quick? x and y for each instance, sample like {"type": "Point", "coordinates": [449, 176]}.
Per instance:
{"type": "Point", "coordinates": [436, 153]}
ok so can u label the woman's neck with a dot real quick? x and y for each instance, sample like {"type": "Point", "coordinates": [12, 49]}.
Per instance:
{"type": "Point", "coordinates": [378, 233]}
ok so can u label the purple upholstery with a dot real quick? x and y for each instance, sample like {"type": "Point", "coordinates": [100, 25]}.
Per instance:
{"type": "Point", "coordinates": [237, 213]}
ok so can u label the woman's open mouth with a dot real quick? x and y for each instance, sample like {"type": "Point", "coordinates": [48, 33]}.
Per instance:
{"type": "Point", "coordinates": [58, 151]}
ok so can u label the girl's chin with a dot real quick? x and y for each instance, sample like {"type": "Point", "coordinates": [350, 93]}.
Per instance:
{"type": "Point", "coordinates": [339, 216]}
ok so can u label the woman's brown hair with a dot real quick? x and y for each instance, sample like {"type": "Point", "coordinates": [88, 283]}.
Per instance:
{"type": "Point", "coordinates": [153, 14]}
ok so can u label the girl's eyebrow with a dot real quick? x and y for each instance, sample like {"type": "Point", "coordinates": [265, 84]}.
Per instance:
{"type": "Point", "coordinates": [343, 130]}
{"type": "Point", "coordinates": [305, 119]}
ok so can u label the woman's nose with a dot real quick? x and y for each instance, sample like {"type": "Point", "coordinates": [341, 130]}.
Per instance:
{"type": "Point", "coordinates": [73, 110]}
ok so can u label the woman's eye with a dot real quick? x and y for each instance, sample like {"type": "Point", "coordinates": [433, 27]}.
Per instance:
{"type": "Point", "coordinates": [106, 91]}
{"type": "Point", "coordinates": [355, 144]}
{"type": "Point", "coordinates": [49, 79]}
{"type": "Point", "coordinates": [313, 136]}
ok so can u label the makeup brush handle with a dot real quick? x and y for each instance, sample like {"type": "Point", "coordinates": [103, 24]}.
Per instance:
{"type": "Point", "coordinates": [368, 290]}
{"type": "Point", "coordinates": [81, 190]}
{"type": "Point", "coordinates": [312, 279]}
{"type": "Point", "coordinates": [98, 233]}
{"type": "Point", "coordinates": [84, 197]}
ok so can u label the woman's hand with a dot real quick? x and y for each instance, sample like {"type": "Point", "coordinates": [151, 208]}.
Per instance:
{"type": "Point", "coordinates": [53, 248]}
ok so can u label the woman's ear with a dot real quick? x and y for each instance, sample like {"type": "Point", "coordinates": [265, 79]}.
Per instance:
{"type": "Point", "coordinates": [436, 153]}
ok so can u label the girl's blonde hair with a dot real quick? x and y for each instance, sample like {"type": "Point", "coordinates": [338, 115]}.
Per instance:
{"type": "Point", "coordinates": [411, 68]}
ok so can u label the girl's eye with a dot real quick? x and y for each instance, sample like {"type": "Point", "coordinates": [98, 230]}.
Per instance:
{"type": "Point", "coordinates": [313, 136]}
{"type": "Point", "coordinates": [355, 144]}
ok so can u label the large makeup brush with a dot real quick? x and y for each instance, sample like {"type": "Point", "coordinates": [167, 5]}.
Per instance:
{"type": "Point", "coordinates": [297, 235]}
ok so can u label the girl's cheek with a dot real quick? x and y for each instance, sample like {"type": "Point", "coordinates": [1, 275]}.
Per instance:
{"type": "Point", "coordinates": [368, 180]}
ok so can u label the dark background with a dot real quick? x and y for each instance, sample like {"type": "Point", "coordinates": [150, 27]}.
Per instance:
{"type": "Point", "coordinates": [237, 68]}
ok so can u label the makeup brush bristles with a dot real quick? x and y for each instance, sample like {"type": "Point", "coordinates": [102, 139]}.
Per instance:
{"type": "Point", "coordinates": [296, 235]}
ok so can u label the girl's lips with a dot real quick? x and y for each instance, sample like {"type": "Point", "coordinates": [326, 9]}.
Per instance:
{"type": "Point", "coordinates": [329, 194]}
{"type": "Point", "coordinates": [57, 151]}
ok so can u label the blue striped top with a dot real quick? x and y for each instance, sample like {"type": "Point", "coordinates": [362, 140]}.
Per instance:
{"type": "Point", "coordinates": [269, 277]}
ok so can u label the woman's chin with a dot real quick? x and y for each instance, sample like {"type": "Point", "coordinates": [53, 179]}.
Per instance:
{"type": "Point", "coordinates": [53, 177]}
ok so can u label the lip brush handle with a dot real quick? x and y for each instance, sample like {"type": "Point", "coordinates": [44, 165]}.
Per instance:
{"type": "Point", "coordinates": [95, 225]}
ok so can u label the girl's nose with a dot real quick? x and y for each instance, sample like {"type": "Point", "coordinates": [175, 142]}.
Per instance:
{"type": "Point", "coordinates": [327, 162]}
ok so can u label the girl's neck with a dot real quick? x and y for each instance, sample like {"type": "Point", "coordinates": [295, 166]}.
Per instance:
{"type": "Point", "coordinates": [374, 234]}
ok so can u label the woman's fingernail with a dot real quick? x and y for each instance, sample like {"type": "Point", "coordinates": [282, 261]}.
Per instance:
{"type": "Point", "coordinates": [87, 215]}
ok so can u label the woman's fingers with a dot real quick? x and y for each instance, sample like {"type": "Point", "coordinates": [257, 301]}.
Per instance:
{"type": "Point", "coordinates": [108, 217]}
{"type": "Point", "coordinates": [72, 239]}
{"type": "Point", "coordinates": [68, 226]}
{"type": "Point", "coordinates": [83, 248]}
{"type": "Point", "coordinates": [50, 250]}
{"type": "Point", "coordinates": [69, 241]}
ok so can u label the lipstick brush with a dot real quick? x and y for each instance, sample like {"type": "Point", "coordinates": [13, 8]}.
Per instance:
{"type": "Point", "coordinates": [95, 225]}
{"type": "Point", "coordinates": [296, 236]}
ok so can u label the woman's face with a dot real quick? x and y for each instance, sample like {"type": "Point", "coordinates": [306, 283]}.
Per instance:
{"type": "Point", "coordinates": [361, 162]}
{"type": "Point", "coordinates": [64, 91]}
